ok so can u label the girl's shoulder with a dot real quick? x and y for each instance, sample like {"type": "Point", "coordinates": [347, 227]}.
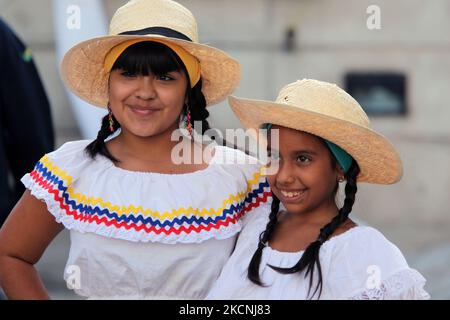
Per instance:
{"type": "Point", "coordinates": [75, 145]}
{"type": "Point", "coordinates": [363, 264]}
{"type": "Point", "coordinates": [361, 247]}
{"type": "Point", "coordinates": [361, 236]}
{"type": "Point", "coordinates": [237, 159]}
{"type": "Point", "coordinates": [242, 166]}
{"type": "Point", "coordinates": [250, 171]}
{"type": "Point", "coordinates": [66, 161]}
{"type": "Point", "coordinates": [71, 152]}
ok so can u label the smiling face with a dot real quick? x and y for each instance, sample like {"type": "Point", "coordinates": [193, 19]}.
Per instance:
{"type": "Point", "coordinates": [147, 90]}
{"type": "Point", "coordinates": [306, 179]}
{"type": "Point", "coordinates": [147, 105]}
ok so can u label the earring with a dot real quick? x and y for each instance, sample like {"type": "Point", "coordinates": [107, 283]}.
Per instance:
{"type": "Point", "coordinates": [341, 179]}
{"type": "Point", "coordinates": [110, 118]}
{"type": "Point", "coordinates": [188, 120]}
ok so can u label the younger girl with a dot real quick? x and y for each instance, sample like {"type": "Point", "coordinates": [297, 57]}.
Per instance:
{"type": "Point", "coordinates": [308, 248]}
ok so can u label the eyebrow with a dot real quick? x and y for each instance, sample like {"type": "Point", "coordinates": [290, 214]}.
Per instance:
{"type": "Point", "coordinates": [311, 152]}
{"type": "Point", "coordinates": [305, 151]}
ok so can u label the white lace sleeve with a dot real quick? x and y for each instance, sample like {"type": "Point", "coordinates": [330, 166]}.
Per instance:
{"type": "Point", "coordinates": [406, 284]}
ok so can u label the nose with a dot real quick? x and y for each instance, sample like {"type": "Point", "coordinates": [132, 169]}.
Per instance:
{"type": "Point", "coordinates": [284, 176]}
{"type": "Point", "coordinates": [146, 88]}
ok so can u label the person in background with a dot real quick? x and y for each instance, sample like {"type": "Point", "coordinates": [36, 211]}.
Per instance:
{"type": "Point", "coordinates": [25, 119]}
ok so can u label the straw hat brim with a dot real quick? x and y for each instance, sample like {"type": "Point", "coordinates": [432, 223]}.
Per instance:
{"type": "Point", "coordinates": [377, 158]}
{"type": "Point", "coordinates": [82, 68]}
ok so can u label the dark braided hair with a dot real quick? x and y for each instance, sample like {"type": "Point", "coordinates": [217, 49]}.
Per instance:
{"type": "Point", "coordinates": [145, 58]}
{"type": "Point", "coordinates": [310, 257]}
{"type": "Point", "coordinates": [197, 106]}
{"type": "Point", "coordinates": [264, 237]}
{"type": "Point", "coordinates": [98, 146]}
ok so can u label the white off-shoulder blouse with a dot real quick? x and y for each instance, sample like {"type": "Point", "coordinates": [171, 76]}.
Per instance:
{"type": "Point", "coordinates": [143, 235]}
{"type": "Point", "coordinates": [357, 264]}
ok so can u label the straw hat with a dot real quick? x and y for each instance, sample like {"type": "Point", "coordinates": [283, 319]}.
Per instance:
{"type": "Point", "coordinates": [83, 65]}
{"type": "Point", "coordinates": [327, 111]}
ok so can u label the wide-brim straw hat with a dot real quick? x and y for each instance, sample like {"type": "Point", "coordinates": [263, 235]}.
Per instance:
{"type": "Point", "coordinates": [83, 69]}
{"type": "Point", "coordinates": [325, 110]}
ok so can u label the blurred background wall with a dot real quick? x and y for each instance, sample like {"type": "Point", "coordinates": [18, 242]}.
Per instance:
{"type": "Point", "coordinates": [280, 41]}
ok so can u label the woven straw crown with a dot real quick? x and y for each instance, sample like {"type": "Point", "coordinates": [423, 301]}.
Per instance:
{"type": "Point", "coordinates": [315, 96]}
{"type": "Point", "coordinates": [138, 15]}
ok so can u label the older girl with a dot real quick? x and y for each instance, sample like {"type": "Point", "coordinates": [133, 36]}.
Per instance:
{"type": "Point", "coordinates": [143, 224]}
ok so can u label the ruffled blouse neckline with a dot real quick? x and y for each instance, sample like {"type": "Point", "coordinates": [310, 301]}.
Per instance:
{"type": "Point", "coordinates": [201, 172]}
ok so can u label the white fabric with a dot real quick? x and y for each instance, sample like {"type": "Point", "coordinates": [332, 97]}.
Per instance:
{"type": "Point", "coordinates": [179, 260]}
{"type": "Point", "coordinates": [120, 269]}
{"type": "Point", "coordinates": [357, 264]}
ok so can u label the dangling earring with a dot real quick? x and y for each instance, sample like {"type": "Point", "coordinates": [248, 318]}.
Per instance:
{"type": "Point", "coordinates": [111, 120]}
{"type": "Point", "coordinates": [188, 120]}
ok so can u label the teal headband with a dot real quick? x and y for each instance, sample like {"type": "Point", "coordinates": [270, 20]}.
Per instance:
{"type": "Point", "coordinates": [343, 158]}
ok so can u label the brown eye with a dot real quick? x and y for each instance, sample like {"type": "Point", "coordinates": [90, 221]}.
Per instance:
{"type": "Point", "coordinates": [303, 159]}
{"type": "Point", "coordinates": [165, 77]}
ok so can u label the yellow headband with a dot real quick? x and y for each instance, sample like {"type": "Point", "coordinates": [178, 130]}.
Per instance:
{"type": "Point", "coordinates": [191, 63]}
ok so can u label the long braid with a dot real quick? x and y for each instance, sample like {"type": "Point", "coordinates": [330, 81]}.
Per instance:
{"type": "Point", "coordinates": [197, 104]}
{"type": "Point", "coordinates": [310, 258]}
{"type": "Point", "coordinates": [253, 268]}
{"type": "Point", "coordinates": [98, 146]}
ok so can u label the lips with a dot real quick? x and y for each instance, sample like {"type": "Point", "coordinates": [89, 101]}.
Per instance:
{"type": "Point", "coordinates": [143, 111]}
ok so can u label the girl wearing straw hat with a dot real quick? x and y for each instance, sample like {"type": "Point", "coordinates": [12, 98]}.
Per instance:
{"type": "Point", "coordinates": [141, 226]}
{"type": "Point", "coordinates": [308, 247]}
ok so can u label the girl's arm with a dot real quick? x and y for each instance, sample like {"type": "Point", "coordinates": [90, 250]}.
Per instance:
{"type": "Point", "coordinates": [24, 237]}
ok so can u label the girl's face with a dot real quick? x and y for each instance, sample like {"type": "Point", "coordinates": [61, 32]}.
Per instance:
{"type": "Point", "coordinates": [306, 179]}
{"type": "Point", "coordinates": [147, 105]}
